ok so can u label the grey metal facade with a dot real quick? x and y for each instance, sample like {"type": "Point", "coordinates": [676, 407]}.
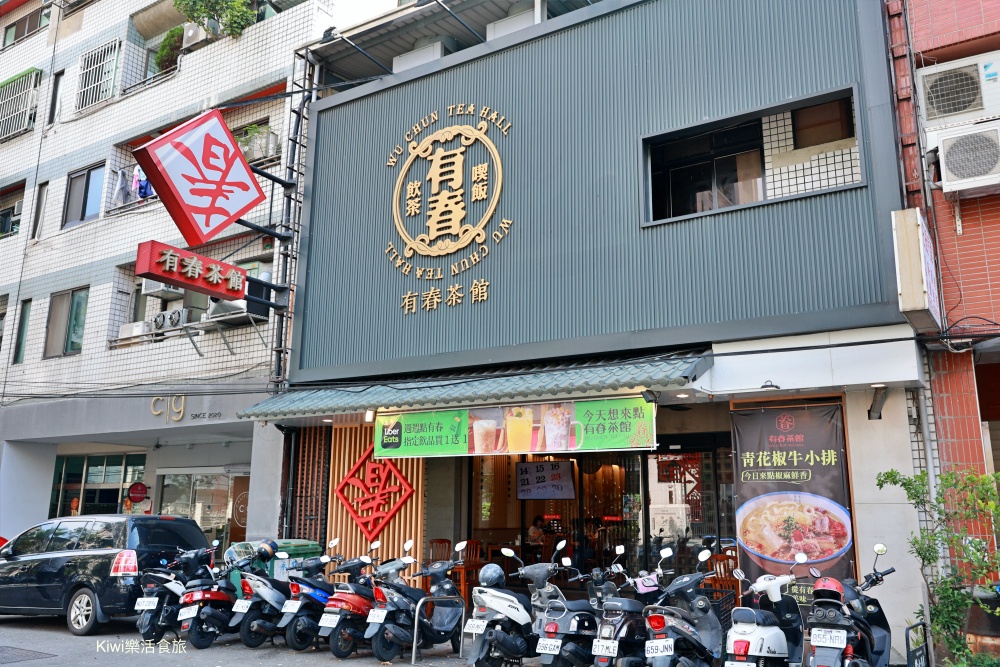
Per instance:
{"type": "Point", "coordinates": [579, 272]}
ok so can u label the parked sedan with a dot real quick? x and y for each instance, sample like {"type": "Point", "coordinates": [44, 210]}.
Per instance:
{"type": "Point", "coordinates": [87, 567]}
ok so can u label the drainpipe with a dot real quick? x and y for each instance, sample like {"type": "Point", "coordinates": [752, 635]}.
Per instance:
{"type": "Point", "coordinates": [290, 487]}
{"type": "Point", "coordinates": [925, 432]}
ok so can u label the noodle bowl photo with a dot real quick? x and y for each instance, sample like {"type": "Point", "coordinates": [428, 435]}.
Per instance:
{"type": "Point", "coordinates": [774, 527]}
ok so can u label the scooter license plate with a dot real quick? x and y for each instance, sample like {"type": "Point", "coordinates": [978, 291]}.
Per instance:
{"type": "Point", "coordinates": [291, 606]}
{"type": "Point", "coordinates": [146, 603]}
{"type": "Point", "coordinates": [376, 615]}
{"type": "Point", "coordinates": [241, 606]}
{"type": "Point", "coordinates": [827, 637]}
{"type": "Point", "coordinates": [187, 612]}
{"type": "Point", "coordinates": [730, 663]}
{"type": "Point", "coordinates": [658, 647]}
{"type": "Point", "coordinates": [329, 620]}
{"type": "Point", "coordinates": [475, 626]}
{"type": "Point", "coordinates": [607, 647]}
{"type": "Point", "coordinates": [549, 646]}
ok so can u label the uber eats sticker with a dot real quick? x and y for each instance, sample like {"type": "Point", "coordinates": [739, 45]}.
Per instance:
{"type": "Point", "coordinates": [440, 433]}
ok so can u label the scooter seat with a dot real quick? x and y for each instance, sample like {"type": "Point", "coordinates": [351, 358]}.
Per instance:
{"type": "Point", "coordinates": [575, 605]}
{"type": "Point", "coordinates": [627, 605]}
{"type": "Point", "coordinates": [324, 586]}
{"type": "Point", "coordinates": [754, 616]}
{"type": "Point", "coordinates": [199, 583]}
{"type": "Point", "coordinates": [280, 586]}
{"type": "Point", "coordinates": [415, 594]}
{"type": "Point", "coordinates": [521, 598]}
{"type": "Point", "coordinates": [357, 589]}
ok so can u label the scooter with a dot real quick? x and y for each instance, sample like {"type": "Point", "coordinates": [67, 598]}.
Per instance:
{"type": "Point", "coordinates": [395, 607]}
{"type": "Point", "coordinates": [502, 619]}
{"type": "Point", "coordinates": [847, 626]}
{"type": "Point", "coordinates": [163, 587]}
{"type": "Point", "coordinates": [210, 603]}
{"type": "Point", "coordinates": [256, 616]}
{"type": "Point", "coordinates": [771, 632]}
{"type": "Point", "coordinates": [302, 612]}
{"type": "Point", "coordinates": [688, 632]}
{"type": "Point", "coordinates": [344, 619]}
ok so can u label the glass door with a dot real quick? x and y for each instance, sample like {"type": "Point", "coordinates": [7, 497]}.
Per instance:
{"type": "Point", "coordinates": [206, 498]}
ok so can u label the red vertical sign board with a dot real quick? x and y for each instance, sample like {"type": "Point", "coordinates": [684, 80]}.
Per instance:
{"type": "Point", "coordinates": [189, 270]}
{"type": "Point", "coordinates": [201, 176]}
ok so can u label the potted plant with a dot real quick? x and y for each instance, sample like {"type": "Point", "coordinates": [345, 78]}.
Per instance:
{"type": "Point", "coordinates": [226, 17]}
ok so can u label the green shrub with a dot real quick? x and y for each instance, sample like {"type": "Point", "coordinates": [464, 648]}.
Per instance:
{"type": "Point", "coordinates": [985, 660]}
{"type": "Point", "coordinates": [232, 16]}
{"type": "Point", "coordinates": [170, 49]}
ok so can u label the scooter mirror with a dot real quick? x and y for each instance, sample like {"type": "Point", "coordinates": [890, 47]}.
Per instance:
{"type": "Point", "coordinates": [704, 555]}
{"type": "Point", "coordinates": [880, 549]}
{"type": "Point", "coordinates": [324, 559]}
{"type": "Point", "coordinates": [567, 561]}
{"type": "Point", "coordinates": [813, 572]}
{"type": "Point", "coordinates": [801, 558]}
{"type": "Point", "coordinates": [375, 545]}
{"type": "Point", "coordinates": [561, 545]}
{"type": "Point", "coordinates": [215, 543]}
{"type": "Point", "coordinates": [333, 543]}
{"type": "Point", "coordinates": [281, 555]}
{"type": "Point", "coordinates": [620, 549]}
{"type": "Point", "coordinates": [666, 552]}
{"type": "Point", "coordinates": [409, 560]}
{"type": "Point", "coordinates": [407, 545]}
{"type": "Point", "coordinates": [508, 552]}
{"type": "Point", "coordinates": [739, 574]}
{"type": "Point", "coordinates": [163, 561]}
{"type": "Point", "coordinates": [366, 559]}
{"type": "Point", "coordinates": [460, 547]}
{"type": "Point", "coordinates": [659, 572]}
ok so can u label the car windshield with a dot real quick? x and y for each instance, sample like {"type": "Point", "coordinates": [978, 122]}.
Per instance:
{"type": "Point", "coordinates": [160, 533]}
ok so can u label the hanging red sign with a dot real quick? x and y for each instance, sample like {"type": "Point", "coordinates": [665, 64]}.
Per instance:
{"type": "Point", "coordinates": [189, 270]}
{"type": "Point", "coordinates": [201, 176]}
{"type": "Point", "coordinates": [373, 492]}
{"type": "Point", "coordinates": [137, 492]}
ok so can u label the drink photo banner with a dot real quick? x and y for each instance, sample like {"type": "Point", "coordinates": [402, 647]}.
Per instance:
{"type": "Point", "coordinates": [792, 493]}
{"type": "Point", "coordinates": [541, 428]}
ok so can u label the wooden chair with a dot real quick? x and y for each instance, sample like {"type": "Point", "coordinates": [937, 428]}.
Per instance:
{"type": "Point", "coordinates": [724, 579]}
{"type": "Point", "coordinates": [466, 572]}
{"type": "Point", "coordinates": [440, 550]}
{"type": "Point", "coordinates": [548, 544]}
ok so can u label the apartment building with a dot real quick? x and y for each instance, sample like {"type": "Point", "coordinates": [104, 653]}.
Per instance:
{"type": "Point", "coordinates": [109, 379]}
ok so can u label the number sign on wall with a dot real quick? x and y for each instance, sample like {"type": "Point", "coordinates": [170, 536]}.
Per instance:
{"type": "Point", "coordinates": [545, 480]}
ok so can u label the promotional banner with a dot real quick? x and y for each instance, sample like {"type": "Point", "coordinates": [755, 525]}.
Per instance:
{"type": "Point", "coordinates": [792, 494]}
{"type": "Point", "coordinates": [570, 426]}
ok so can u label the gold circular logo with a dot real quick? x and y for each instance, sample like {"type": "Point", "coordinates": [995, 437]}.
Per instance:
{"type": "Point", "coordinates": [443, 198]}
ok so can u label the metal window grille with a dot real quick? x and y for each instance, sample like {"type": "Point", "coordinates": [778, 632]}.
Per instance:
{"type": "Point", "coordinates": [98, 69]}
{"type": "Point", "coordinates": [18, 99]}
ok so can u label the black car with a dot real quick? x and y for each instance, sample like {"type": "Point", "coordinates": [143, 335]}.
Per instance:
{"type": "Point", "coordinates": [87, 567]}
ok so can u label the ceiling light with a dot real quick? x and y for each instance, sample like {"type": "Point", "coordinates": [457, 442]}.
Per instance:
{"type": "Point", "coordinates": [878, 385]}
{"type": "Point", "coordinates": [682, 395]}
{"type": "Point", "coordinates": [649, 395]}
{"type": "Point", "coordinates": [369, 416]}
{"type": "Point", "coordinates": [328, 421]}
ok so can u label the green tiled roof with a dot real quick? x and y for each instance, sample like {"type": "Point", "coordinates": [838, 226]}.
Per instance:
{"type": "Point", "coordinates": [576, 380]}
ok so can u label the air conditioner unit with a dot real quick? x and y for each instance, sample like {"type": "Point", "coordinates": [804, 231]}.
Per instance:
{"type": "Point", "coordinates": [18, 207]}
{"type": "Point", "coordinates": [425, 50]}
{"type": "Point", "coordinates": [170, 319]}
{"type": "Point", "coordinates": [960, 91]}
{"type": "Point", "coordinates": [160, 290]}
{"type": "Point", "coordinates": [196, 37]}
{"type": "Point", "coordinates": [135, 329]}
{"type": "Point", "coordinates": [969, 157]}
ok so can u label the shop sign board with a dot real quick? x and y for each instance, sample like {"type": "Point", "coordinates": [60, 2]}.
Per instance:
{"type": "Point", "coordinates": [545, 480]}
{"type": "Point", "coordinates": [137, 492]}
{"type": "Point", "coordinates": [611, 424]}
{"type": "Point", "coordinates": [202, 178]}
{"type": "Point", "coordinates": [189, 270]}
{"type": "Point", "coordinates": [792, 493]}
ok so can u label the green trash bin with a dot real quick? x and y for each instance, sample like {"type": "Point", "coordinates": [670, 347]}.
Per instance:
{"type": "Point", "coordinates": [297, 550]}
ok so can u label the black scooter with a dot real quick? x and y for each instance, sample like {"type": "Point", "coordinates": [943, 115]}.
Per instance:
{"type": "Point", "coordinates": [162, 588]}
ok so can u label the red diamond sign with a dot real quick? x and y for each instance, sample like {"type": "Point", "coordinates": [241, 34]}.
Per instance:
{"type": "Point", "coordinates": [373, 492]}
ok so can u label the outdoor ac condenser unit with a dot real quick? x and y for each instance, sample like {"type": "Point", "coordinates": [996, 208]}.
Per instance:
{"type": "Point", "coordinates": [969, 157]}
{"type": "Point", "coordinates": [134, 329]}
{"type": "Point", "coordinates": [160, 290]}
{"type": "Point", "coordinates": [170, 319]}
{"type": "Point", "coordinates": [960, 91]}
{"type": "Point", "coordinates": [196, 37]}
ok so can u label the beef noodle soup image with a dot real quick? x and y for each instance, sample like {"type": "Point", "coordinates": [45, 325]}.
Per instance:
{"type": "Point", "coordinates": [774, 527]}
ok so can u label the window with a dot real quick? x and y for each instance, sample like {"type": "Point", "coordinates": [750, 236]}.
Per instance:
{"type": "Point", "coordinates": [99, 535]}
{"type": "Point", "coordinates": [823, 123]}
{"type": "Point", "coordinates": [33, 541]}
{"type": "Point", "coordinates": [706, 172]}
{"type": "Point", "coordinates": [83, 196]}
{"type": "Point", "coordinates": [54, 104]}
{"type": "Point", "coordinates": [66, 536]}
{"type": "Point", "coordinates": [22, 331]}
{"type": "Point", "coordinates": [151, 67]}
{"type": "Point", "coordinates": [26, 26]}
{"type": "Point", "coordinates": [17, 104]}
{"type": "Point", "coordinates": [3, 316]}
{"type": "Point", "coordinates": [36, 223]}
{"type": "Point", "coordinates": [67, 316]}
{"type": "Point", "coordinates": [10, 220]}
{"type": "Point", "coordinates": [98, 69]}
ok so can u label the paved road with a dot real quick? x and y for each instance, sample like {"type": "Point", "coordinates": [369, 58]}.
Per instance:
{"type": "Point", "coordinates": [37, 641]}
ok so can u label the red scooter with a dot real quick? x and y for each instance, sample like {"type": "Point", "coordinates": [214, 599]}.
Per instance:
{"type": "Point", "coordinates": [345, 617]}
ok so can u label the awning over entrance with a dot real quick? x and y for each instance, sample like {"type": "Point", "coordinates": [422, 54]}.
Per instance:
{"type": "Point", "coordinates": [569, 380]}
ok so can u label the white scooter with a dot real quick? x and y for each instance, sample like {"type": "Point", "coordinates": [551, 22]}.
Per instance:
{"type": "Point", "coordinates": [772, 634]}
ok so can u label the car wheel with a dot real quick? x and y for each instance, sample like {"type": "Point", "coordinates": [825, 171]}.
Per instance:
{"type": "Point", "coordinates": [385, 649]}
{"type": "Point", "coordinates": [295, 638]}
{"type": "Point", "coordinates": [200, 635]}
{"type": "Point", "coordinates": [81, 612]}
{"type": "Point", "coordinates": [250, 638]}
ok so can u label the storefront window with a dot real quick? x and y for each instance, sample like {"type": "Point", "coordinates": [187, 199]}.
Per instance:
{"type": "Point", "coordinates": [135, 466]}
{"type": "Point", "coordinates": [95, 470]}
{"type": "Point", "coordinates": [93, 484]}
{"type": "Point", "coordinates": [204, 498]}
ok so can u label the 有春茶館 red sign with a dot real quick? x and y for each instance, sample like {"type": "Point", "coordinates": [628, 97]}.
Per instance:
{"type": "Point", "coordinates": [201, 176]}
{"type": "Point", "coordinates": [189, 270]}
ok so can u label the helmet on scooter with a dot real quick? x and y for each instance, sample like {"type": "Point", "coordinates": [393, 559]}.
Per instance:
{"type": "Point", "coordinates": [266, 550]}
{"type": "Point", "coordinates": [828, 588]}
{"type": "Point", "coordinates": [492, 576]}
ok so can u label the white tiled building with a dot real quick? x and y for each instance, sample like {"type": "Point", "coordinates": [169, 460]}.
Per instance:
{"type": "Point", "coordinates": [84, 381]}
